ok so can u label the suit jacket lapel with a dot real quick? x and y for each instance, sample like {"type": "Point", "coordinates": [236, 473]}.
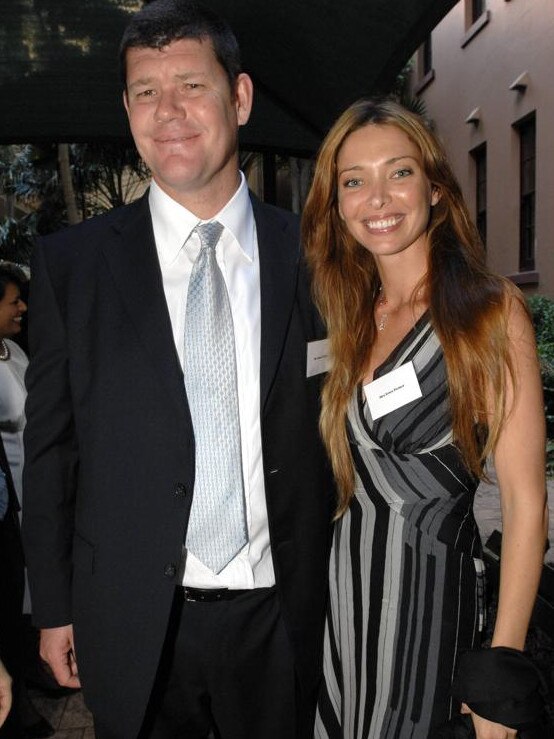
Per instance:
{"type": "Point", "coordinates": [278, 248]}
{"type": "Point", "coordinates": [134, 264]}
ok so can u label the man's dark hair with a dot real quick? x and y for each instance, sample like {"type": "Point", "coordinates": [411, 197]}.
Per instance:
{"type": "Point", "coordinates": [163, 21]}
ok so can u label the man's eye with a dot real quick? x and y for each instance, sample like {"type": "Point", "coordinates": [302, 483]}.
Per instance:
{"type": "Point", "coordinates": [145, 93]}
{"type": "Point", "coordinates": [193, 86]}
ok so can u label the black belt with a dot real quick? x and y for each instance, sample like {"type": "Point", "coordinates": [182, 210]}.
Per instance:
{"type": "Point", "coordinates": [211, 595]}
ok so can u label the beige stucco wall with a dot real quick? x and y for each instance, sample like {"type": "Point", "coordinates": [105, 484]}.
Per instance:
{"type": "Point", "coordinates": [518, 38]}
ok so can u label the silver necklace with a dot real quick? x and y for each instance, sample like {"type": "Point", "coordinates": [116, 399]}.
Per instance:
{"type": "Point", "coordinates": [4, 351]}
{"type": "Point", "coordinates": [381, 303]}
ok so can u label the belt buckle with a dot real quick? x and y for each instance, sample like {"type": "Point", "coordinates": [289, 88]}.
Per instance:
{"type": "Point", "coordinates": [201, 595]}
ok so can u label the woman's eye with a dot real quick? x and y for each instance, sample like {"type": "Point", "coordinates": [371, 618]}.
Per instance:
{"type": "Point", "coordinates": [352, 182]}
{"type": "Point", "coordinates": [401, 173]}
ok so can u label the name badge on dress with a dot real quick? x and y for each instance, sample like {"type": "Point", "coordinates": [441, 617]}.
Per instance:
{"type": "Point", "coordinates": [392, 391]}
{"type": "Point", "coordinates": [318, 357]}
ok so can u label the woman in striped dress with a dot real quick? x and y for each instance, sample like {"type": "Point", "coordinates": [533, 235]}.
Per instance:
{"type": "Point", "coordinates": [434, 368]}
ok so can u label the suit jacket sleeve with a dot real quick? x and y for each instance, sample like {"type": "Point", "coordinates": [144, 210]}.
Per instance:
{"type": "Point", "coordinates": [51, 458]}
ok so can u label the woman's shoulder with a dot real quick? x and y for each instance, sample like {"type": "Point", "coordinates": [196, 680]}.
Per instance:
{"type": "Point", "coordinates": [516, 312]}
{"type": "Point", "coordinates": [16, 352]}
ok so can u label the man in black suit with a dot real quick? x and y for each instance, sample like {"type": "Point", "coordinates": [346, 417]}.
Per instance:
{"type": "Point", "coordinates": [162, 633]}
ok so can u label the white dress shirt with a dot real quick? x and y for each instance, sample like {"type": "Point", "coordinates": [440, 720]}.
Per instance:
{"type": "Point", "coordinates": [237, 257]}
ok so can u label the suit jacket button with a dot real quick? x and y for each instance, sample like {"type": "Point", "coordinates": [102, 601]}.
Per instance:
{"type": "Point", "coordinates": [170, 570]}
{"type": "Point", "coordinates": [180, 490]}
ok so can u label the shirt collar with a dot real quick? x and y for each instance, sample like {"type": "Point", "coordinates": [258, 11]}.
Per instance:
{"type": "Point", "coordinates": [173, 223]}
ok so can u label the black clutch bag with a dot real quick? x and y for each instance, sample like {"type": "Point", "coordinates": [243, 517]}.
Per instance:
{"type": "Point", "coordinates": [461, 727]}
{"type": "Point", "coordinates": [501, 685]}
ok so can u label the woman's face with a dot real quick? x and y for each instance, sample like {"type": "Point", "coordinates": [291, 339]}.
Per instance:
{"type": "Point", "coordinates": [384, 195]}
{"type": "Point", "coordinates": [11, 310]}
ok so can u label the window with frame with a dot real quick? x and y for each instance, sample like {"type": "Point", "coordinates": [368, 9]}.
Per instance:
{"type": "Point", "coordinates": [480, 160]}
{"type": "Point", "coordinates": [427, 56]}
{"type": "Point", "coordinates": [478, 7]}
{"type": "Point", "coordinates": [527, 159]}
{"type": "Point", "coordinates": [424, 66]}
{"type": "Point", "coordinates": [476, 18]}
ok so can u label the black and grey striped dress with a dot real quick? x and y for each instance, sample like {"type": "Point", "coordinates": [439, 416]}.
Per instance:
{"type": "Point", "coordinates": [406, 578]}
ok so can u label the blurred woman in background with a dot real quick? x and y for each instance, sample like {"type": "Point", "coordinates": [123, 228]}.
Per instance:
{"type": "Point", "coordinates": [25, 720]}
{"type": "Point", "coordinates": [13, 364]}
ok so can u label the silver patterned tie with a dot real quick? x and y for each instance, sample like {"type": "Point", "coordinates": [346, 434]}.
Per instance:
{"type": "Point", "coordinates": [217, 524]}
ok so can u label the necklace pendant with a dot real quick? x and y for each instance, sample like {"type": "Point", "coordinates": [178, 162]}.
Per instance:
{"type": "Point", "coordinates": [382, 322]}
{"type": "Point", "coordinates": [381, 303]}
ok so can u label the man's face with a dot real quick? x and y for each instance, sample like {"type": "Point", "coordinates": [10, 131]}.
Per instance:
{"type": "Point", "coordinates": [184, 119]}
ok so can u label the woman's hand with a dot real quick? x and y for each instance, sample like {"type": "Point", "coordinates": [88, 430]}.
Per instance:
{"type": "Point", "coordinates": [488, 729]}
{"type": "Point", "coordinates": [5, 693]}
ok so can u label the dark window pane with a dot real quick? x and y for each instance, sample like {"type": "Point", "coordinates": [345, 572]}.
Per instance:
{"type": "Point", "coordinates": [480, 159]}
{"type": "Point", "coordinates": [477, 9]}
{"type": "Point", "coordinates": [427, 56]}
{"type": "Point", "coordinates": [527, 141]}
{"type": "Point", "coordinates": [527, 243]}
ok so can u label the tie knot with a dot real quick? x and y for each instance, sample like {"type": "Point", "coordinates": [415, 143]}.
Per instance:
{"type": "Point", "coordinates": [209, 233]}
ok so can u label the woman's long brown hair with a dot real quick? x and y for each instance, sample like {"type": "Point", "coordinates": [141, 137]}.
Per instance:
{"type": "Point", "coordinates": [468, 304]}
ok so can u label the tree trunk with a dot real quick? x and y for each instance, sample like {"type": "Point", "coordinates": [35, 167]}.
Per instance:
{"type": "Point", "coordinates": [300, 180]}
{"type": "Point", "coordinates": [67, 184]}
{"type": "Point", "coordinates": [294, 184]}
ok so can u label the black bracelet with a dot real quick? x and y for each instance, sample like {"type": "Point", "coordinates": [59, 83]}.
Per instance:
{"type": "Point", "coordinates": [502, 685]}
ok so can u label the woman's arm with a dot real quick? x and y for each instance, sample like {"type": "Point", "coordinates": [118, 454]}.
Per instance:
{"type": "Point", "coordinates": [519, 459]}
{"type": "Point", "coordinates": [5, 693]}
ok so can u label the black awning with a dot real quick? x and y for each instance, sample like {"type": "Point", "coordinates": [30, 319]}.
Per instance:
{"type": "Point", "coordinates": [309, 59]}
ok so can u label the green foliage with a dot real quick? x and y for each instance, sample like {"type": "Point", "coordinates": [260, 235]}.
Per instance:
{"type": "Point", "coordinates": [16, 239]}
{"type": "Point", "coordinates": [29, 175]}
{"type": "Point", "coordinates": [550, 457]}
{"type": "Point", "coordinates": [542, 312]}
{"type": "Point", "coordinates": [401, 91]}
{"type": "Point", "coordinates": [105, 175]}
{"type": "Point", "coordinates": [28, 172]}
